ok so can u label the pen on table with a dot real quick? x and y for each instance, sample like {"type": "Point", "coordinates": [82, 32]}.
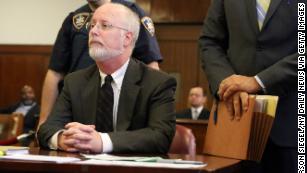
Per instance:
{"type": "Point", "coordinates": [175, 161]}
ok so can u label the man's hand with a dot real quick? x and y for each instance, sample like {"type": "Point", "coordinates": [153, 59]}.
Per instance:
{"type": "Point", "coordinates": [237, 104]}
{"type": "Point", "coordinates": [80, 137]}
{"type": "Point", "coordinates": [235, 83]}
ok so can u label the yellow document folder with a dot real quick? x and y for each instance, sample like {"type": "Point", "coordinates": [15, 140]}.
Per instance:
{"type": "Point", "coordinates": [244, 139]}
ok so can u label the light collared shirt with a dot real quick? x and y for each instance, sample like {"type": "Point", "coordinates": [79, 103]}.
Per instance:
{"type": "Point", "coordinates": [24, 109]}
{"type": "Point", "coordinates": [196, 112]}
{"type": "Point", "coordinates": [260, 83]}
{"type": "Point", "coordinates": [116, 84]}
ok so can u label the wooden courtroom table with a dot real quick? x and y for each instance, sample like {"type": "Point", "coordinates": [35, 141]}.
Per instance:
{"type": "Point", "coordinates": [199, 129]}
{"type": "Point", "coordinates": [215, 164]}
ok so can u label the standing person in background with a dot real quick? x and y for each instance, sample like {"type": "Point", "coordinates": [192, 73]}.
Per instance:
{"type": "Point", "coordinates": [250, 47]}
{"type": "Point", "coordinates": [196, 101]}
{"type": "Point", "coordinates": [70, 52]}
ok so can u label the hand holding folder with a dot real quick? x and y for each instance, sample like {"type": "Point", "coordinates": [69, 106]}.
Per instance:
{"type": "Point", "coordinates": [245, 138]}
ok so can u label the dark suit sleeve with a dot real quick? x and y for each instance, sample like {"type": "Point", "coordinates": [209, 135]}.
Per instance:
{"type": "Point", "coordinates": [213, 44]}
{"type": "Point", "coordinates": [61, 115]}
{"type": "Point", "coordinates": [283, 71]}
{"type": "Point", "coordinates": [156, 137]}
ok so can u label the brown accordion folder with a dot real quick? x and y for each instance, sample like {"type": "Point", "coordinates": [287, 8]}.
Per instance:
{"type": "Point", "coordinates": [243, 139]}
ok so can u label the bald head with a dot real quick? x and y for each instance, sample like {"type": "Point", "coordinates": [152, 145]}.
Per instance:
{"type": "Point", "coordinates": [121, 16]}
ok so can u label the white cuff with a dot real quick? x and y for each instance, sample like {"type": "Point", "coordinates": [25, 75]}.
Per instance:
{"type": "Point", "coordinates": [53, 142]}
{"type": "Point", "coordinates": [260, 83]}
{"type": "Point", "coordinates": [107, 145]}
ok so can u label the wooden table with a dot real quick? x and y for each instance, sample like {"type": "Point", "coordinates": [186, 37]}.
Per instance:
{"type": "Point", "coordinates": [215, 164]}
{"type": "Point", "coordinates": [199, 129]}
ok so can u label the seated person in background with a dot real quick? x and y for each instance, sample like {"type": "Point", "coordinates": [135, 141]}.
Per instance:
{"type": "Point", "coordinates": [118, 105]}
{"type": "Point", "coordinates": [27, 106]}
{"type": "Point", "coordinates": [196, 100]}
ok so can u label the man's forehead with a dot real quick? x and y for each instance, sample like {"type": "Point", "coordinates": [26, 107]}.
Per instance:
{"type": "Point", "coordinates": [196, 91]}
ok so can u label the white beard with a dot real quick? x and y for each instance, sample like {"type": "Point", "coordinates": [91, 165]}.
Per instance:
{"type": "Point", "coordinates": [101, 53]}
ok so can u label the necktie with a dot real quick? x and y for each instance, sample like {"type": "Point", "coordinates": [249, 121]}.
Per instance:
{"type": "Point", "coordinates": [262, 8]}
{"type": "Point", "coordinates": [105, 101]}
{"type": "Point", "coordinates": [195, 114]}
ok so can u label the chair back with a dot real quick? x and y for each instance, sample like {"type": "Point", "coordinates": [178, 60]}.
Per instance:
{"type": "Point", "coordinates": [11, 125]}
{"type": "Point", "coordinates": [183, 141]}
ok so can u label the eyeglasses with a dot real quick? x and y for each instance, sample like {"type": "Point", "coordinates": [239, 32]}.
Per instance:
{"type": "Point", "coordinates": [103, 26]}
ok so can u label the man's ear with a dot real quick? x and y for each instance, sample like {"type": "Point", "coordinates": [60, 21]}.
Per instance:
{"type": "Point", "coordinates": [128, 39]}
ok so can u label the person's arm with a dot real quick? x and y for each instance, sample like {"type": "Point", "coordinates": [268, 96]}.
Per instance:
{"type": "Point", "coordinates": [213, 45]}
{"type": "Point", "coordinates": [154, 65]}
{"type": "Point", "coordinates": [49, 94]}
{"type": "Point", "coordinates": [146, 48]}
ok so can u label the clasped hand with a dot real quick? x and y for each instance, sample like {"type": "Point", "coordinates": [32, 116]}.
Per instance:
{"type": "Point", "coordinates": [234, 91]}
{"type": "Point", "coordinates": [78, 137]}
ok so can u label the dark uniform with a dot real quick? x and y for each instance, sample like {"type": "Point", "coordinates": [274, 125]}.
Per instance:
{"type": "Point", "coordinates": [70, 52]}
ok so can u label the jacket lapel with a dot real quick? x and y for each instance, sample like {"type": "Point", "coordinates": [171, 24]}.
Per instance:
{"type": "Point", "coordinates": [128, 95]}
{"type": "Point", "coordinates": [252, 14]}
{"type": "Point", "coordinates": [89, 96]}
{"type": "Point", "coordinates": [273, 6]}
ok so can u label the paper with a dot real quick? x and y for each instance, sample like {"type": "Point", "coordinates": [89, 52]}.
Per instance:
{"type": "Point", "coordinates": [12, 150]}
{"type": "Point", "coordinates": [140, 164]}
{"type": "Point", "coordinates": [108, 157]}
{"type": "Point", "coordinates": [29, 157]}
{"type": "Point", "coordinates": [117, 158]}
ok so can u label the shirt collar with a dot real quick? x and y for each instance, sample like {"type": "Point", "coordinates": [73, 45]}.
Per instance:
{"type": "Point", "coordinates": [199, 109]}
{"type": "Point", "coordinates": [118, 75]}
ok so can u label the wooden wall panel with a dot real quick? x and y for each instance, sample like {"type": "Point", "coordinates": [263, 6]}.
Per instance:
{"type": "Point", "coordinates": [175, 11]}
{"type": "Point", "coordinates": [179, 47]}
{"type": "Point", "coordinates": [20, 65]}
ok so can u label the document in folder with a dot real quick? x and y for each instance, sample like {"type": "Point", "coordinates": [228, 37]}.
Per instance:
{"type": "Point", "coordinates": [244, 139]}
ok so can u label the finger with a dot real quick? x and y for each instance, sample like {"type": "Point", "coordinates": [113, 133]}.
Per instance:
{"type": "Point", "coordinates": [73, 150]}
{"type": "Point", "coordinates": [237, 106]}
{"type": "Point", "coordinates": [222, 89]}
{"type": "Point", "coordinates": [229, 106]}
{"type": "Point", "coordinates": [71, 131]}
{"type": "Point", "coordinates": [82, 137]}
{"type": "Point", "coordinates": [244, 101]}
{"type": "Point", "coordinates": [230, 91]}
{"type": "Point", "coordinates": [83, 147]}
{"type": "Point", "coordinates": [87, 128]}
{"type": "Point", "coordinates": [81, 127]}
{"type": "Point", "coordinates": [72, 124]}
{"type": "Point", "coordinates": [70, 142]}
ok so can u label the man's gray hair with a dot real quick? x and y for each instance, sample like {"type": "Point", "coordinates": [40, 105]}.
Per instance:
{"type": "Point", "coordinates": [132, 22]}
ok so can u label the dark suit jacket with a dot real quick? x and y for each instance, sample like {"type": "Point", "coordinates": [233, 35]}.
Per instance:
{"type": "Point", "coordinates": [187, 114]}
{"type": "Point", "coordinates": [30, 119]}
{"type": "Point", "coordinates": [145, 118]}
{"type": "Point", "coordinates": [231, 43]}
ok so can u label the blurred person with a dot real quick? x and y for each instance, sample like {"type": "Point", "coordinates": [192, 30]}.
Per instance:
{"type": "Point", "coordinates": [27, 106]}
{"type": "Point", "coordinates": [196, 102]}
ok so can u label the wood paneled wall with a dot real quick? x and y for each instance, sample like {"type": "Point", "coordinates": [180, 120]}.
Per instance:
{"type": "Point", "coordinates": [175, 11]}
{"type": "Point", "coordinates": [178, 25]}
{"type": "Point", "coordinates": [20, 65]}
{"type": "Point", "coordinates": [179, 47]}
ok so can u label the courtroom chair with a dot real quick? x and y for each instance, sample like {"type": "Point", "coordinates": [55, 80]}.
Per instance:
{"type": "Point", "coordinates": [183, 141]}
{"type": "Point", "coordinates": [11, 125]}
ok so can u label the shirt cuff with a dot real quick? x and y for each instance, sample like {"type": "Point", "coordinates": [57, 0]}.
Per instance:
{"type": "Point", "coordinates": [107, 145]}
{"type": "Point", "coordinates": [53, 142]}
{"type": "Point", "coordinates": [260, 83]}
